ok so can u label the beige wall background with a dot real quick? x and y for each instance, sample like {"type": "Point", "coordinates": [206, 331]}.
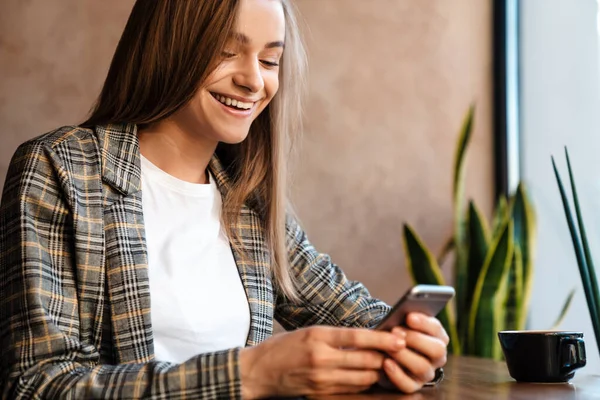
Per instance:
{"type": "Point", "coordinates": [390, 82]}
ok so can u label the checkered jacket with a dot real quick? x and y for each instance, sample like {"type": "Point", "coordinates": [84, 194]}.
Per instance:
{"type": "Point", "coordinates": [74, 289]}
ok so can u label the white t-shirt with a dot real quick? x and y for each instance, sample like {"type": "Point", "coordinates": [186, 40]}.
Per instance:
{"type": "Point", "coordinates": [198, 301]}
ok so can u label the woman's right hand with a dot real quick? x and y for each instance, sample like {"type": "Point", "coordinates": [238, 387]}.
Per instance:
{"type": "Point", "coordinates": [316, 360]}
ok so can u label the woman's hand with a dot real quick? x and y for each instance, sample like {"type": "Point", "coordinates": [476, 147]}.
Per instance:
{"type": "Point", "coordinates": [316, 360]}
{"type": "Point", "coordinates": [426, 349]}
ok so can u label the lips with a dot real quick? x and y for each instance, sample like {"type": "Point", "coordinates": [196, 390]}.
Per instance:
{"type": "Point", "coordinates": [234, 110]}
{"type": "Point", "coordinates": [234, 103]}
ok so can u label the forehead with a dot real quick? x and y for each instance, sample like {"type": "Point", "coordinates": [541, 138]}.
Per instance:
{"type": "Point", "coordinates": [261, 20]}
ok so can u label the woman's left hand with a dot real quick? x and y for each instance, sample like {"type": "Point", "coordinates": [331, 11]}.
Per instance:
{"type": "Point", "coordinates": [426, 349]}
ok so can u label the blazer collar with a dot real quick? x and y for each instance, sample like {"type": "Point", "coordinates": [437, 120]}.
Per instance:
{"type": "Point", "coordinates": [120, 149]}
{"type": "Point", "coordinates": [121, 167]}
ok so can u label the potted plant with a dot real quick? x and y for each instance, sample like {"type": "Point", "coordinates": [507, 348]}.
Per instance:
{"type": "Point", "coordinates": [493, 264]}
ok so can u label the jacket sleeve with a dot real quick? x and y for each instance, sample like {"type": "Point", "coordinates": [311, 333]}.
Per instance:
{"type": "Point", "coordinates": [327, 297]}
{"type": "Point", "coordinates": [43, 352]}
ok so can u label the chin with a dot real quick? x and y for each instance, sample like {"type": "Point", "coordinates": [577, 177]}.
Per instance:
{"type": "Point", "coordinates": [233, 137]}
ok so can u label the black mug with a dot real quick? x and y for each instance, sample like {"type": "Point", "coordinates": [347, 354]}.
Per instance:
{"type": "Point", "coordinates": [543, 356]}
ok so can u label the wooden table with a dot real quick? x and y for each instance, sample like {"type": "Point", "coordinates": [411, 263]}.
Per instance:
{"type": "Point", "coordinates": [473, 379]}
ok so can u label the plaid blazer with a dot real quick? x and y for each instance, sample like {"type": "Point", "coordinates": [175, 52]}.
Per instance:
{"type": "Point", "coordinates": [74, 289]}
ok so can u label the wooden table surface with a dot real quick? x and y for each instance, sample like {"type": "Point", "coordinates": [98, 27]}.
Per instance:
{"type": "Point", "coordinates": [473, 379]}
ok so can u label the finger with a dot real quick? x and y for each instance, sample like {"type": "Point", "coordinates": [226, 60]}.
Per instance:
{"type": "Point", "coordinates": [429, 325]}
{"type": "Point", "coordinates": [399, 378]}
{"type": "Point", "coordinates": [415, 365]}
{"type": "Point", "coordinates": [358, 359]}
{"type": "Point", "coordinates": [324, 381]}
{"type": "Point", "coordinates": [327, 357]}
{"type": "Point", "coordinates": [428, 346]}
{"type": "Point", "coordinates": [400, 332]}
{"type": "Point", "coordinates": [363, 339]}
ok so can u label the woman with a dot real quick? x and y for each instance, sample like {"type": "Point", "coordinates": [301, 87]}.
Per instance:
{"type": "Point", "coordinates": [146, 252]}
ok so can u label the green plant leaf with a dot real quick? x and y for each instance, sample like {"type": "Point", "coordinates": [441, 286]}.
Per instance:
{"type": "Point", "coordinates": [586, 248]}
{"type": "Point", "coordinates": [524, 220]}
{"type": "Point", "coordinates": [460, 228]}
{"type": "Point", "coordinates": [581, 262]}
{"type": "Point", "coordinates": [424, 269]}
{"type": "Point", "coordinates": [500, 215]}
{"type": "Point", "coordinates": [459, 160]}
{"type": "Point", "coordinates": [479, 241]}
{"type": "Point", "coordinates": [488, 313]}
{"type": "Point", "coordinates": [514, 304]}
{"type": "Point", "coordinates": [446, 251]}
{"type": "Point", "coordinates": [564, 310]}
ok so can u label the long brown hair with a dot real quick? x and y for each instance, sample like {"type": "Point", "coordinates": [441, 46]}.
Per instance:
{"type": "Point", "coordinates": [166, 52]}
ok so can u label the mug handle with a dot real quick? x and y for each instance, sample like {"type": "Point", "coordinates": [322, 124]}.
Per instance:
{"type": "Point", "coordinates": [572, 354]}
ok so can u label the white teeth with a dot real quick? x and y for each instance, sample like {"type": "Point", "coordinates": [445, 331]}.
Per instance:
{"type": "Point", "coordinates": [233, 102]}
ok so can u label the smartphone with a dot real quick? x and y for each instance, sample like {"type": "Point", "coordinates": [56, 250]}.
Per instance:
{"type": "Point", "coordinates": [426, 299]}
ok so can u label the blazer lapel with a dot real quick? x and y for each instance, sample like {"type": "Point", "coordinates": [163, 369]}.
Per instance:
{"type": "Point", "coordinates": [254, 268]}
{"type": "Point", "coordinates": [126, 255]}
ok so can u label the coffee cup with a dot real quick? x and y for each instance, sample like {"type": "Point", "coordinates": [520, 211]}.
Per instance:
{"type": "Point", "coordinates": [543, 356]}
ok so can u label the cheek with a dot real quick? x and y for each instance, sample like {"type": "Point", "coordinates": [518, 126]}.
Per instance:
{"type": "Point", "coordinates": [216, 74]}
{"type": "Point", "coordinates": [195, 106]}
{"type": "Point", "coordinates": [271, 85]}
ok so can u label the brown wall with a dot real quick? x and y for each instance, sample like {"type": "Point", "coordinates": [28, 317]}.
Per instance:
{"type": "Point", "coordinates": [390, 82]}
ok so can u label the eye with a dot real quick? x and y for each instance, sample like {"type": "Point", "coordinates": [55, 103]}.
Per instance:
{"type": "Point", "coordinates": [227, 54]}
{"type": "Point", "coordinates": [270, 63]}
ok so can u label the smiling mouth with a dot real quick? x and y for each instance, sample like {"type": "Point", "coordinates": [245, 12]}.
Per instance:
{"type": "Point", "coordinates": [232, 103]}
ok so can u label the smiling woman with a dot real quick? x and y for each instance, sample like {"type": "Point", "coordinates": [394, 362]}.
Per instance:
{"type": "Point", "coordinates": [147, 251]}
{"type": "Point", "coordinates": [180, 123]}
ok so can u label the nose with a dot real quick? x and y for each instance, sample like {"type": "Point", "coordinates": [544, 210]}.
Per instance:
{"type": "Point", "coordinates": [250, 76]}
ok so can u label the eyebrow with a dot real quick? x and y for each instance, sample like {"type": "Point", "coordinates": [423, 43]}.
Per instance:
{"type": "Point", "coordinates": [243, 39]}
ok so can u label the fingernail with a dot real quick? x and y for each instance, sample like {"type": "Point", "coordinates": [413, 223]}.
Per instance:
{"type": "Point", "coordinates": [399, 332]}
{"type": "Point", "coordinates": [416, 318]}
{"type": "Point", "coordinates": [400, 343]}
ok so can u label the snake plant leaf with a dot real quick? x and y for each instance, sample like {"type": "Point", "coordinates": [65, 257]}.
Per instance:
{"type": "Point", "coordinates": [500, 215]}
{"type": "Point", "coordinates": [446, 251]}
{"type": "Point", "coordinates": [564, 309]}
{"type": "Point", "coordinates": [479, 241]}
{"type": "Point", "coordinates": [424, 269]}
{"type": "Point", "coordinates": [514, 304]}
{"type": "Point", "coordinates": [488, 313]}
{"type": "Point", "coordinates": [584, 240]}
{"type": "Point", "coordinates": [579, 255]}
{"type": "Point", "coordinates": [524, 220]}
{"type": "Point", "coordinates": [460, 266]}
{"type": "Point", "coordinates": [595, 295]}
